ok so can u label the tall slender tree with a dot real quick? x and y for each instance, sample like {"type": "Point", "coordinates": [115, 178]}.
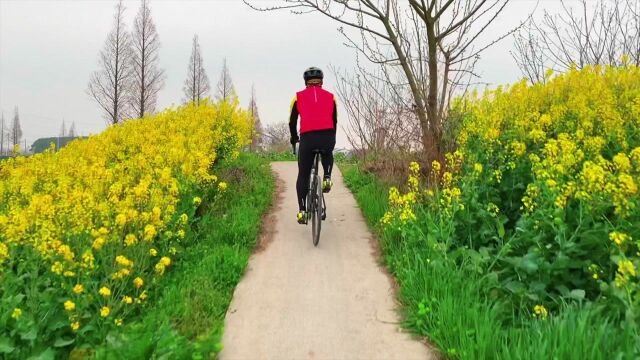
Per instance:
{"type": "Point", "coordinates": [148, 78]}
{"type": "Point", "coordinates": [16, 130]}
{"type": "Point", "coordinates": [225, 90]}
{"type": "Point", "coordinates": [255, 117]}
{"type": "Point", "coordinates": [63, 130]}
{"type": "Point", "coordinates": [2, 131]}
{"type": "Point", "coordinates": [72, 130]}
{"type": "Point", "coordinates": [110, 86]}
{"type": "Point", "coordinates": [196, 86]}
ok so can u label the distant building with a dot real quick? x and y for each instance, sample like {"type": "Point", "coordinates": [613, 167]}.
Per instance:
{"type": "Point", "coordinates": [43, 144]}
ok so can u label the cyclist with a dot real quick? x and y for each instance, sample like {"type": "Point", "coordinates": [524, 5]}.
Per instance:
{"type": "Point", "coordinates": [318, 119]}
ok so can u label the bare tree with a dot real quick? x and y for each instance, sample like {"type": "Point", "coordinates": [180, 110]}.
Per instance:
{"type": "Point", "coordinates": [432, 42]}
{"type": "Point", "coordinates": [276, 137]}
{"type": "Point", "coordinates": [225, 88]}
{"type": "Point", "coordinates": [257, 125]}
{"type": "Point", "coordinates": [15, 134]}
{"type": "Point", "coordinates": [148, 78]}
{"type": "Point", "coordinates": [596, 32]}
{"type": "Point", "coordinates": [379, 118]}
{"type": "Point", "coordinates": [196, 86]}
{"type": "Point", "coordinates": [72, 130]}
{"type": "Point", "coordinates": [110, 85]}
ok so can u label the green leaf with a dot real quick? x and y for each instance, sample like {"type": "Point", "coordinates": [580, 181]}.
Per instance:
{"type": "Point", "coordinates": [6, 345]}
{"type": "Point", "coordinates": [48, 354]}
{"type": "Point", "coordinates": [515, 287]}
{"type": "Point", "coordinates": [31, 334]}
{"type": "Point", "coordinates": [61, 342]}
{"type": "Point", "coordinates": [577, 294]}
{"type": "Point", "coordinates": [500, 230]}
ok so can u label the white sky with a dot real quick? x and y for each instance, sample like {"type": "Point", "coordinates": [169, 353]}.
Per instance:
{"type": "Point", "coordinates": [48, 50]}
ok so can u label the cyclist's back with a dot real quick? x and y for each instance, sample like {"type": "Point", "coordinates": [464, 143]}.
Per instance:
{"type": "Point", "coordinates": [318, 120]}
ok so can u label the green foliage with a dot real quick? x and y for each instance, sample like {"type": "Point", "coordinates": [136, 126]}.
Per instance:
{"type": "Point", "coordinates": [187, 321]}
{"type": "Point", "coordinates": [278, 156]}
{"type": "Point", "coordinates": [448, 296]}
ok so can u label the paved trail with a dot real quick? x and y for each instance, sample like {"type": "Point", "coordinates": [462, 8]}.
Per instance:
{"type": "Point", "coordinates": [330, 302]}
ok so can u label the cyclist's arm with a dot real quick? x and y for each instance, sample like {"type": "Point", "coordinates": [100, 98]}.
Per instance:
{"type": "Point", "coordinates": [335, 114]}
{"type": "Point", "coordinates": [293, 118]}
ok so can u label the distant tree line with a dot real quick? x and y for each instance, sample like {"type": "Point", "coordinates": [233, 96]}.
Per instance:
{"type": "Point", "coordinates": [129, 77]}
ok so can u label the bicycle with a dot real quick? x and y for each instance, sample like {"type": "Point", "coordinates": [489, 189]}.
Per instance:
{"type": "Point", "coordinates": [316, 207]}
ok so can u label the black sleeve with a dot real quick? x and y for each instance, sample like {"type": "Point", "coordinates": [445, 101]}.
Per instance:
{"type": "Point", "coordinates": [335, 115]}
{"type": "Point", "coordinates": [293, 119]}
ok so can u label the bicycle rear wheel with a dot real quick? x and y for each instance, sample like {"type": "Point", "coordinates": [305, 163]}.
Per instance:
{"type": "Point", "coordinates": [316, 215]}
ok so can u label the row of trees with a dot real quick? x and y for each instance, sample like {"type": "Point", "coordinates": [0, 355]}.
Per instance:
{"type": "Point", "coordinates": [10, 133]}
{"type": "Point", "coordinates": [130, 78]}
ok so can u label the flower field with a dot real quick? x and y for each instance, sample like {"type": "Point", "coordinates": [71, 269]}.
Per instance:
{"type": "Point", "coordinates": [87, 232]}
{"type": "Point", "coordinates": [540, 199]}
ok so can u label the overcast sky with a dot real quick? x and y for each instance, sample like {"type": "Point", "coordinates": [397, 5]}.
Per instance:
{"type": "Point", "coordinates": [48, 50]}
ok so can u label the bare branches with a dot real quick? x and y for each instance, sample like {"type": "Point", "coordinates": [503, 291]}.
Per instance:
{"type": "Point", "coordinates": [148, 78]}
{"type": "Point", "coordinates": [430, 42]}
{"type": "Point", "coordinates": [601, 32]}
{"type": "Point", "coordinates": [276, 137]}
{"type": "Point", "coordinates": [225, 89]}
{"type": "Point", "coordinates": [196, 85]}
{"type": "Point", "coordinates": [110, 85]}
{"type": "Point", "coordinates": [379, 119]}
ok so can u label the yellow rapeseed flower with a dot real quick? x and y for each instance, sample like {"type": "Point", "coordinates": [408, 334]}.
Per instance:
{"type": "Point", "coordinates": [127, 299]}
{"type": "Point", "coordinates": [104, 291]}
{"type": "Point", "coordinates": [105, 311]}
{"type": "Point", "coordinates": [78, 289]}
{"type": "Point", "coordinates": [69, 305]}
{"type": "Point", "coordinates": [222, 186]}
{"type": "Point", "coordinates": [138, 282]}
{"type": "Point", "coordinates": [121, 219]}
{"type": "Point", "coordinates": [149, 232]}
{"type": "Point", "coordinates": [17, 313]}
{"type": "Point", "coordinates": [75, 326]}
{"type": "Point", "coordinates": [540, 311]}
{"type": "Point", "coordinates": [626, 268]}
{"type": "Point", "coordinates": [166, 261]}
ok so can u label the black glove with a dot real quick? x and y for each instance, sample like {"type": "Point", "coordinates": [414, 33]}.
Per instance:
{"type": "Point", "coordinates": [294, 139]}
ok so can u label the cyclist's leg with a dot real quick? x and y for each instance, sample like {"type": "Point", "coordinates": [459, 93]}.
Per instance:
{"type": "Point", "coordinates": [305, 163]}
{"type": "Point", "coordinates": [328, 145]}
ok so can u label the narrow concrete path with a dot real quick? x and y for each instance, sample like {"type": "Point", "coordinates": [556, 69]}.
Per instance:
{"type": "Point", "coordinates": [297, 301]}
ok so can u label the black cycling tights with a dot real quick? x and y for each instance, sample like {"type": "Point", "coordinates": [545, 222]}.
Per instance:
{"type": "Point", "coordinates": [317, 140]}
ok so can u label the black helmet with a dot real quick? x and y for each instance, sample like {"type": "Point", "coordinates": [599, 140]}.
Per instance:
{"type": "Point", "coordinates": [313, 73]}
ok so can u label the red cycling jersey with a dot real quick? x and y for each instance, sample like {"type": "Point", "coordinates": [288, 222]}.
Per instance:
{"type": "Point", "coordinates": [316, 107]}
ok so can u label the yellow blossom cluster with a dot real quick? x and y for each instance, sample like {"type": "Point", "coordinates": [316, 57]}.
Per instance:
{"type": "Point", "coordinates": [89, 219]}
{"type": "Point", "coordinates": [571, 151]}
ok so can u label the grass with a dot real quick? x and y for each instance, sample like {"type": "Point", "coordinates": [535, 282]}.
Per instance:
{"type": "Point", "coordinates": [187, 319]}
{"type": "Point", "coordinates": [278, 156]}
{"type": "Point", "coordinates": [452, 307]}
